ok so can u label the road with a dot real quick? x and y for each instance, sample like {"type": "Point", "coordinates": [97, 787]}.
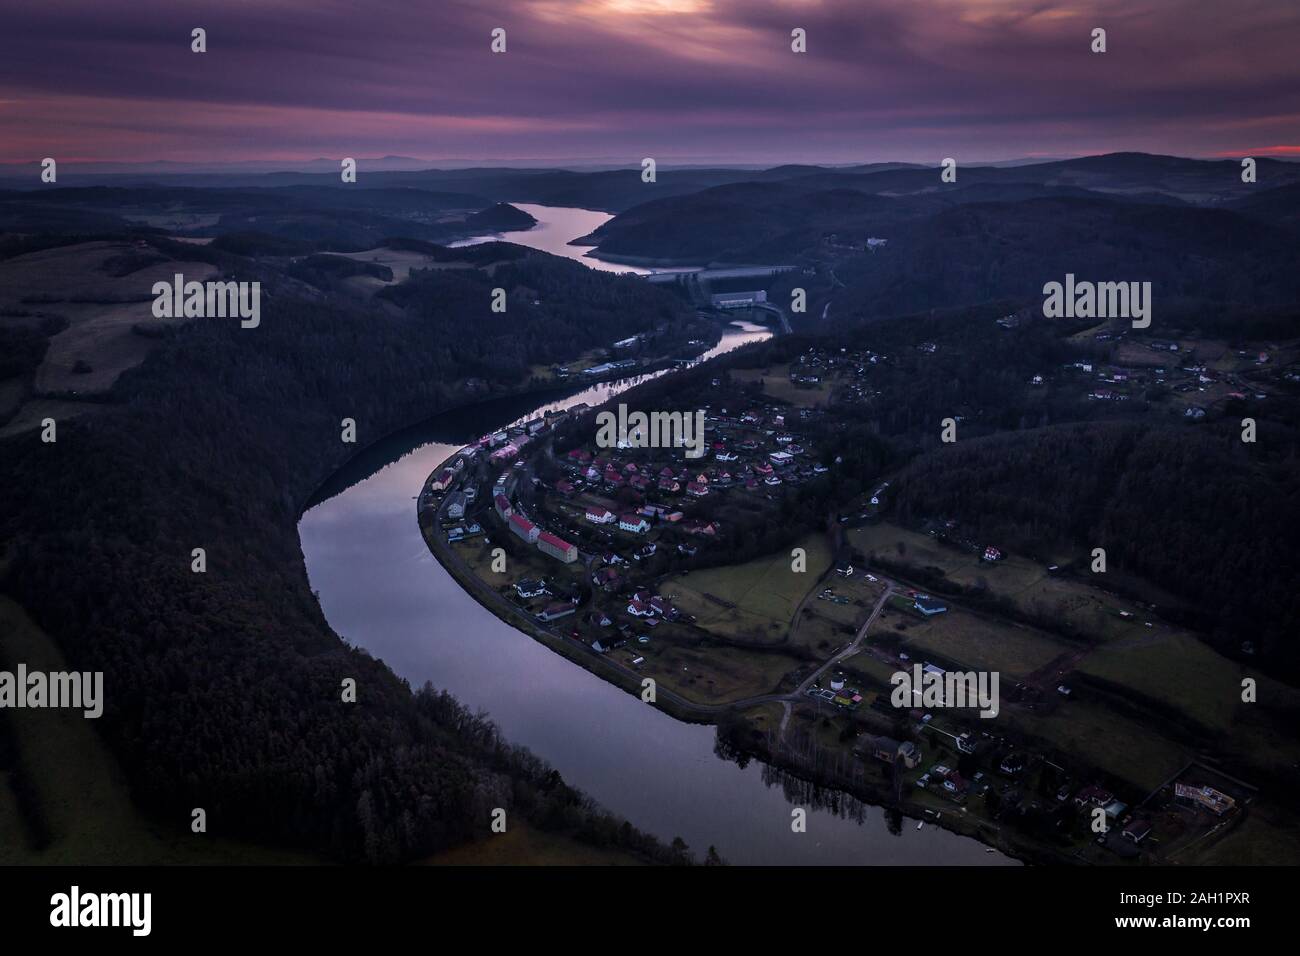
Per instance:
{"type": "Point", "coordinates": [511, 612]}
{"type": "Point", "coordinates": [852, 647]}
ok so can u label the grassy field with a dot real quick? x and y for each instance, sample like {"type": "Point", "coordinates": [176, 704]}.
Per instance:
{"type": "Point", "coordinates": [873, 668]}
{"type": "Point", "coordinates": [776, 384]}
{"type": "Point", "coordinates": [78, 284]}
{"type": "Point", "coordinates": [976, 642]}
{"type": "Point", "coordinates": [80, 789]}
{"type": "Point", "coordinates": [1103, 738]}
{"type": "Point", "coordinates": [709, 675]}
{"type": "Point", "coordinates": [99, 329]}
{"type": "Point", "coordinates": [765, 592]}
{"type": "Point", "coordinates": [826, 624]}
{"type": "Point", "coordinates": [1267, 837]}
{"type": "Point", "coordinates": [401, 261]}
{"type": "Point", "coordinates": [1177, 669]}
{"type": "Point", "coordinates": [1084, 609]}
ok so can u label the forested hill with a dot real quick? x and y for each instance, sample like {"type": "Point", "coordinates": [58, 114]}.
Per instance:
{"type": "Point", "coordinates": [223, 689]}
{"type": "Point", "coordinates": [1207, 267]}
{"type": "Point", "coordinates": [821, 215]}
{"type": "Point", "coordinates": [1044, 470]}
{"type": "Point", "coordinates": [1199, 512]}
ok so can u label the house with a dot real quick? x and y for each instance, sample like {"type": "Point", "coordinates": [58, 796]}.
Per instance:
{"type": "Point", "coordinates": [606, 579]}
{"type": "Point", "coordinates": [884, 749]}
{"type": "Point", "coordinates": [697, 490]}
{"type": "Point", "coordinates": [645, 553]}
{"type": "Point", "coordinates": [530, 589]}
{"type": "Point", "coordinates": [889, 750]}
{"type": "Point", "coordinates": [844, 569]}
{"type": "Point", "coordinates": [456, 506]}
{"type": "Point", "coordinates": [1204, 798]}
{"type": "Point", "coordinates": [556, 611]}
{"type": "Point", "coordinates": [634, 523]}
{"type": "Point", "coordinates": [1093, 795]}
{"type": "Point", "coordinates": [1012, 764]}
{"type": "Point", "coordinates": [557, 548]}
{"type": "Point", "coordinates": [661, 606]}
{"type": "Point", "coordinates": [929, 606]}
{"type": "Point", "coordinates": [504, 453]}
{"type": "Point", "coordinates": [992, 554]}
{"type": "Point", "coordinates": [956, 784]}
{"type": "Point", "coordinates": [564, 488]}
{"type": "Point", "coordinates": [1136, 831]}
{"type": "Point", "coordinates": [502, 504]}
{"type": "Point", "coordinates": [443, 481]}
{"type": "Point", "coordinates": [598, 515]}
{"type": "Point", "coordinates": [638, 608]}
{"type": "Point", "coordinates": [524, 528]}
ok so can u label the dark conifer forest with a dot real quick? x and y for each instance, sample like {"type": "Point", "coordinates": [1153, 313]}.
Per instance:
{"type": "Point", "coordinates": [227, 685]}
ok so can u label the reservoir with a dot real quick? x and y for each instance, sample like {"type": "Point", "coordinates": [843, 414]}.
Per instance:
{"type": "Point", "coordinates": [382, 590]}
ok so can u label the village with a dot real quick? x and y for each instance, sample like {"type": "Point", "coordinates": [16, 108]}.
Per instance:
{"type": "Point", "coordinates": [623, 554]}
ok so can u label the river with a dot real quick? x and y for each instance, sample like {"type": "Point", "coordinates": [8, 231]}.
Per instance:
{"type": "Point", "coordinates": [381, 589]}
{"type": "Point", "coordinates": [556, 227]}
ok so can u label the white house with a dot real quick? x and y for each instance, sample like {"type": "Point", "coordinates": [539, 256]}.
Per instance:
{"type": "Point", "coordinates": [597, 515]}
{"type": "Point", "coordinates": [634, 523]}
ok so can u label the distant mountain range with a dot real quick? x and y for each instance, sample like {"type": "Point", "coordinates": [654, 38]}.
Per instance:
{"type": "Point", "coordinates": [690, 216]}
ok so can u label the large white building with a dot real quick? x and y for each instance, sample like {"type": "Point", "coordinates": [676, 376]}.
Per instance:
{"type": "Point", "coordinates": [738, 300]}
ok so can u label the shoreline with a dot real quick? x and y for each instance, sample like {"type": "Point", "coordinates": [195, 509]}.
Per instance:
{"type": "Point", "coordinates": [677, 707]}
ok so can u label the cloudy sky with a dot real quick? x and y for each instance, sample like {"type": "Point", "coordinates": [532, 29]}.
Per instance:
{"type": "Point", "coordinates": [680, 80]}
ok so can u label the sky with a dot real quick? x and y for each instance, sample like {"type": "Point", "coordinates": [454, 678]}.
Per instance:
{"type": "Point", "coordinates": [678, 80]}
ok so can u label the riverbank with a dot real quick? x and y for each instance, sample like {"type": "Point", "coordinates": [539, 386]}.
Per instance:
{"type": "Point", "coordinates": [951, 817]}
{"type": "Point", "coordinates": [727, 719]}
{"type": "Point", "coordinates": [378, 581]}
{"type": "Point", "coordinates": [671, 703]}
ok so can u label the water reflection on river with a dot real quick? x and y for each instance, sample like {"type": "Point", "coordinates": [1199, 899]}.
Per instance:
{"type": "Point", "coordinates": [381, 589]}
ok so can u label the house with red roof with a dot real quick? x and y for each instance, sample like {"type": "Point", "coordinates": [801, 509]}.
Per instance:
{"type": "Point", "coordinates": [598, 515]}
{"type": "Point", "coordinates": [634, 523]}
{"type": "Point", "coordinates": [524, 528]}
{"type": "Point", "coordinates": [557, 547]}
